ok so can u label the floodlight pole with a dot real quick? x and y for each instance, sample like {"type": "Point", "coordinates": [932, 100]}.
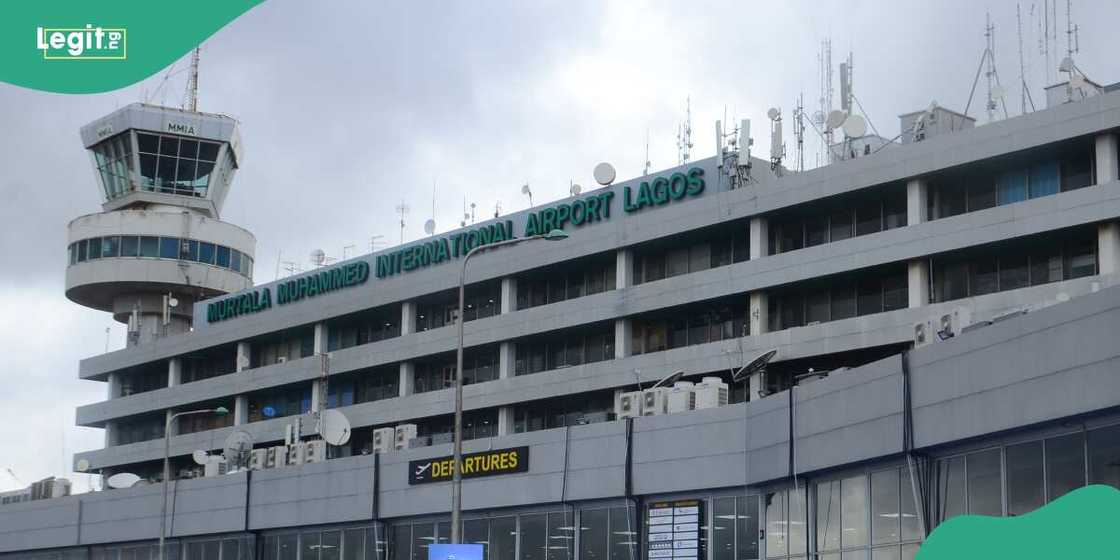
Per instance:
{"type": "Point", "coordinates": [456, 475]}
{"type": "Point", "coordinates": [221, 411]}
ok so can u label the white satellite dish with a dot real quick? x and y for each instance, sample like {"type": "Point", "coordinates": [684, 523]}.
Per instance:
{"type": "Point", "coordinates": [1066, 65]}
{"type": "Point", "coordinates": [855, 126]}
{"type": "Point", "coordinates": [122, 480]}
{"type": "Point", "coordinates": [818, 117]}
{"type": "Point", "coordinates": [525, 189]}
{"type": "Point", "coordinates": [1077, 81]}
{"type": "Point", "coordinates": [773, 113]}
{"type": "Point", "coordinates": [200, 457]}
{"type": "Point", "coordinates": [237, 448]}
{"type": "Point", "coordinates": [575, 189]}
{"type": "Point", "coordinates": [334, 427]}
{"type": "Point", "coordinates": [83, 465]}
{"type": "Point", "coordinates": [318, 256]}
{"type": "Point", "coordinates": [604, 173]}
{"type": "Point", "coordinates": [173, 302]}
{"type": "Point", "coordinates": [430, 227]}
{"type": "Point", "coordinates": [835, 119]}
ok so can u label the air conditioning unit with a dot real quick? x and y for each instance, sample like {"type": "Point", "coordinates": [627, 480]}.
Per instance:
{"type": "Point", "coordinates": [277, 456]}
{"type": "Point", "coordinates": [259, 459]}
{"type": "Point", "coordinates": [316, 451]}
{"type": "Point", "coordinates": [923, 333]}
{"type": "Point", "coordinates": [404, 433]}
{"type": "Point", "coordinates": [281, 359]}
{"type": "Point", "coordinates": [953, 323]}
{"type": "Point", "coordinates": [383, 440]}
{"type": "Point", "coordinates": [217, 466]}
{"type": "Point", "coordinates": [711, 392]}
{"type": "Point", "coordinates": [628, 405]}
{"type": "Point", "coordinates": [297, 453]}
{"type": "Point", "coordinates": [681, 397]}
{"type": "Point", "coordinates": [655, 401]}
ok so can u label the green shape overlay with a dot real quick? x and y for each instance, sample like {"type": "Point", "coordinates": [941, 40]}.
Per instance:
{"type": "Point", "coordinates": [155, 34]}
{"type": "Point", "coordinates": [1081, 524]}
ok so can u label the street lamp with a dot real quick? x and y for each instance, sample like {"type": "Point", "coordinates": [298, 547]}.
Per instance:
{"type": "Point", "coordinates": [456, 476]}
{"type": "Point", "coordinates": [220, 411]}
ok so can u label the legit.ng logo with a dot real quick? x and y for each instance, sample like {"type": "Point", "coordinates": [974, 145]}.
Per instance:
{"type": "Point", "coordinates": [88, 43]}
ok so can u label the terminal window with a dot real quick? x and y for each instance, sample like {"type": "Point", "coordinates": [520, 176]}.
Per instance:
{"type": "Point", "coordinates": [174, 165]}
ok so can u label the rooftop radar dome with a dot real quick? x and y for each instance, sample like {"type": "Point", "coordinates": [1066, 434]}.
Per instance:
{"type": "Point", "coordinates": [855, 126]}
{"type": "Point", "coordinates": [835, 119]}
{"type": "Point", "coordinates": [604, 173]}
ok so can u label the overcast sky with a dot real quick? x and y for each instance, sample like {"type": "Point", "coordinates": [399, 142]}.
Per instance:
{"type": "Point", "coordinates": [350, 108]}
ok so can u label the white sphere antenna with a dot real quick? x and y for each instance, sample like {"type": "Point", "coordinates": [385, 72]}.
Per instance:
{"type": "Point", "coordinates": [123, 480]}
{"type": "Point", "coordinates": [855, 126]}
{"type": "Point", "coordinates": [430, 226]}
{"type": "Point", "coordinates": [604, 174]}
{"type": "Point", "coordinates": [334, 427]}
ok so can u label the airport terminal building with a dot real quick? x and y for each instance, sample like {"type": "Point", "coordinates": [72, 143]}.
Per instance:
{"type": "Point", "coordinates": [944, 312]}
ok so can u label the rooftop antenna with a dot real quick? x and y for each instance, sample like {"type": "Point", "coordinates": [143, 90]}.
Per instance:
{"type": "Point", "coordinates": [988, 60]}
{"type": "Point", "coordinates": [430, 224]}
{"type": "Point", "coordinates": [1073, 45]}
{"type": "Point", "coordinates": [574, 188]}
{"type": "Point", "coordinates": [1024, 91]}
{"type": "Point", "coordinates": [466, 216]}
{"type": "Point", "coordinates": [318, 257]}
{"type": "Point", "coordinates": [684, 134]}
{"type": "Point", "coordinates": [645, 171]}
{"type": "Point", "coordinates": [402, 210]}
{"type": "Point", "coordinates": [497, 208]}
{"type": "Point", "coordinates": [375, 243]}
{"type": "Point", "coordinates": [799, 130]}
{"type": "Point", "coordinates": [777, 147]}
{"type": "Point", "coordinates": [192, 82]}
{"type": "Point", "coordinates": [824, 62]}
{"type": "Point", "coordinates": [525, 190]}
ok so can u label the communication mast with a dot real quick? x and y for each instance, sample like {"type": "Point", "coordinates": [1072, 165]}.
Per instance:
{"type": "Point", "coordinates": [645, 171]}
{"type": "Point", "coordinates": [799, 130]}
{"type": "Point", "coordinates": [192, 82]}
{"type": "Point", "coordinates": [824, 61]}
{"type": "Point", "coordinates": [684, 134]}
{"type": "Point", "coordinates": [1024, 89]}
{"type": "Point", "coordinates": [402, 211]}
{"type": "Point", "coordinates": [988, 60]}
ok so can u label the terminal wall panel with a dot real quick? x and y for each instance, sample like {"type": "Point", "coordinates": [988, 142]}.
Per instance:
{"type": "Point", "coordinates": [40, 524]}
{"type": "Point", "coordinates": [331, 492]}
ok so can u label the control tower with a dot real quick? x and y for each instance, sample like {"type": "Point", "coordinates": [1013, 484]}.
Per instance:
{"type": "Point", "coordinates": [158, 245]}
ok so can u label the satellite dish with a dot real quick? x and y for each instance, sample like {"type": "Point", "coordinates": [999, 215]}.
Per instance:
{"type": "Point", "coordinates": [1066, 65]}
{"type": "Point", "coordinates": [173, 302]}
{"type": "Point", "coordinates": [855, 126]}
{"type": "Point", "coordinates": [671, 379]}
{"type": "Point", "coordinates": [123, 480]}
{"type": "Point", "coordinates": [756, 365]}
{"type": "Point", "coordinates": [430, 227]}
{"type": "Point", "coordinates": [201, 457]}
{"type": "Point", "coordinates": [334, 427]}
{"type": "Point", "coordinates": [83, 465]}
{"type": "Point", "coordinates": [238, 446]}
{"type": "Point", "coordinates": [773, 113]}
{"type": "Point", "coordinates": [525, 189]}
{"type": "Point", "coordinates": [576, 189]}
{"type": "Point", "coordinates": [604, 173]}
{"type": "Point", "coordinates": [818, 117]}
{"type": "Point", "coordinates": [1077, 81]}
{"type": "Point", "coordinates": [835, 119]}
{"type": "Point", "coordinates": [318, 256]}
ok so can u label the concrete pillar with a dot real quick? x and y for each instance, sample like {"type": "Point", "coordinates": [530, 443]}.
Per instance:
{"type": "Point", "coordinates": [918, 282]}
{"type": "Point", "coordinates": [317, 395]}
{"type": "Point", "coordinates": [174, 372]}
{"type": "Point", "coordinates": [114, 385]}
{"type": "Point", "coordinates": [754, 387]}
{"type": "Point", "coordinates": [509, 294]}
{"type": "Point", "coordinates": [244, 356]}
{"type": "Point", "coordinates": [1108, 247]}
{"type": "Point", "coordinates": [407, 383]}
{"type": "Point", "coordinates": [623, 338]}
{"type": "Point", "coordinates": [408, 317]}
{"type": "Point", "coordinates": [1106, 159]}
{"type": "Point", "coordinates": [241, 410]}
{"type": "Point", "coordinates": [110, 428]}
{"type": "Point", "coordinates": [917, 196]}
{"type": "Point", "coordinates": [320, 338]}
{"type": "Point", "coordinates": [759, 313]}
{"type": "Point", "coordinates": [624, 269]}
{"type": "Point", "coordinates": [174, 425]}
{"type": "Point", "coordinates": [507, 360]}
{"type": "Point", "coordinates": [505, 421]}
{"type": "Point", "coordinates": [760, 237]}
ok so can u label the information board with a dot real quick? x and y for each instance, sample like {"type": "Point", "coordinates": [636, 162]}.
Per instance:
{"type": "Point", "coordinates": [673, 530]}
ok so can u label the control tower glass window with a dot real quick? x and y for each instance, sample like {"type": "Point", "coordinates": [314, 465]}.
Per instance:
{"type": "Point", "coordinates": [173, 165]}
{"type": "Point", "coordinates": [113, 159]}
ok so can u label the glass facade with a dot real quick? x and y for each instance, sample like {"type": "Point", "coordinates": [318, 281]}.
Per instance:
{"type": "Point", "coordinates": [174, 248]}
{"type": "Point", "coordinates": [840, 297]}
{"type": "Point", "coordinates": [688, 325]}
{"type": "Point", "coordinates": [830, 221]}
{"type": "Point", "coordinates": [574, 279]}
{"type": "Point", "coordinates": [174, 165]}
{"type": "Point", "coordinates": [692, 252]}
{"type": "Point", "coordinates": [564, 349]}
{"type": "Point", "coordinates": [364, 542]}
{"type": "Point", "coordinates": [479, 301]}
{"type": "Point", "coordinates": [546, 414]}
{"type": "Point", "coordinates": [479, 365]}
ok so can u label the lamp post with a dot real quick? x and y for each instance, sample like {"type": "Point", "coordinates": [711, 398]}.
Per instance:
{"type": "Point", "coordinates": [220, 411]}
{"type": "Point", "coordinates": [456, 475]}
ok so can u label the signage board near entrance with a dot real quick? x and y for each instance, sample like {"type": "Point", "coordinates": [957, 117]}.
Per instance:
{"type": "Point", "coordinates": [483, 463]}
{"type": "Point", "coordinates": [673, 530]}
